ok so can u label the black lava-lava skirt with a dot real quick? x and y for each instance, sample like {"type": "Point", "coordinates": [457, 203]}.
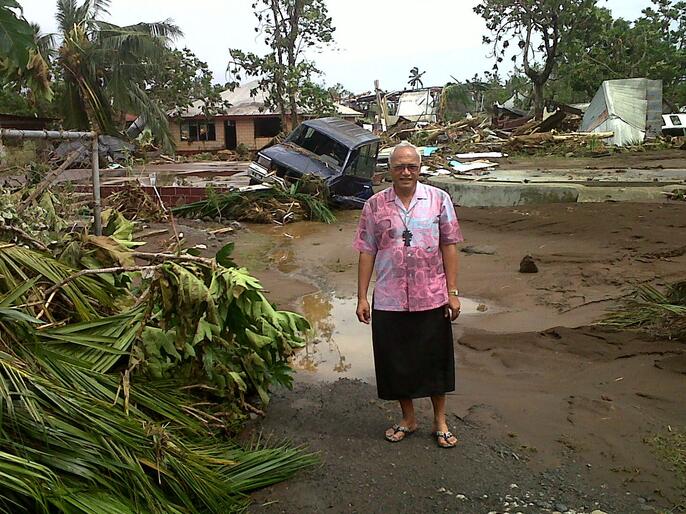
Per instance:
{"type": "Point", "coordinates": [413, 354]}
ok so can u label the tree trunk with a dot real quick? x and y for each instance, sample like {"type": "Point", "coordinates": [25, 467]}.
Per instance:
{"type": "Point", "coordinates": [538, 99]}
{"type": "Point", "coordinates": [279, 75]}
{"type": "Point", "coordinates": [292, 84]}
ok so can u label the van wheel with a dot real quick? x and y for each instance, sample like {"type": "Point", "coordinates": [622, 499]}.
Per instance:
{"type": "Point", "coordinates": [254, 182]}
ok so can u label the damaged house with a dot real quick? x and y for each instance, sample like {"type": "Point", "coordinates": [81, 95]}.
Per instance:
{"type": "Point", "coordinates": [246, 122]}
{"type": "Point", "coordinates": [631, 108]}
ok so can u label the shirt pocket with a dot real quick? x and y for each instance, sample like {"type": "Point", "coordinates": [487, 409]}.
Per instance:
{"type": "Point", "coordinates": [432, 242]}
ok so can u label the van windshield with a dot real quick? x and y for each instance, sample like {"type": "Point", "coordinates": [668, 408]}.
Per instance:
{"type": "Point", "coordinates": [320, 144]}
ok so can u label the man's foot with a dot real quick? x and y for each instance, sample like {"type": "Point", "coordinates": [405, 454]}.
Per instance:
{"type": "Point", "coordinates": [397, 433]}
{"type": "Point", "coordinates": [444, 437]}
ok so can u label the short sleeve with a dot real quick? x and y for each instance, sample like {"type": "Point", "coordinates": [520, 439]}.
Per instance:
{"type": "Point", "coordinates": [365, 241]}
{"type": "Point", "coordinates": [449, 227]}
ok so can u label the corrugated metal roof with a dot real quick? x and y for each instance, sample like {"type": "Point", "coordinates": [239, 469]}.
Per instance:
{"type": "Point", "coordinates": [343, 131]}
{"type": "Point", "coordinates": [249, 100]}
{"type": "Point", "coordinates": [621, 106]}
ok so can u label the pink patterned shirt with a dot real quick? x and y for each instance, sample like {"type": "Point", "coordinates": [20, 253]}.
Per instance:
{"type": "Point", "coordinates": [408, 278]}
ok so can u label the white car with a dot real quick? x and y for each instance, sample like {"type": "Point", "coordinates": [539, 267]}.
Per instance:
{"type": "Point", "coordinates": [674, 124]}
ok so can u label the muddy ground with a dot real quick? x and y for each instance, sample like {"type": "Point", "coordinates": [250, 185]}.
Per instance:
{"type": "Point", "coordinates": [552, 413]}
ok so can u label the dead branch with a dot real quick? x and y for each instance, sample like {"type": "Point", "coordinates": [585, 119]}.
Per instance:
{"type": "Point", "coordinates": [49, 179]}
{"type": "Point", "coordinates": [24, 235]}
{"type": "Point", "coordinates": [99, 271]}
{"type": "Point", "coordinates": [172, 257]}
{"type": "Point", "coordinates": [253, 409]}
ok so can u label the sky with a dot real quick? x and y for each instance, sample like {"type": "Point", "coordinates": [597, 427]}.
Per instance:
{"type": "Point", "coordinates": [375, 39]}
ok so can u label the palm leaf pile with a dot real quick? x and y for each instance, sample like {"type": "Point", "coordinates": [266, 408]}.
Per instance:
{"type": "Point", "coordinates": [262, 206]}
{"type": "Point", "coordinates": [132, 202]}
{"type": "Point", "coordinates": [662, 314]}
{"type": "Point", "coordinates": [120, 385]}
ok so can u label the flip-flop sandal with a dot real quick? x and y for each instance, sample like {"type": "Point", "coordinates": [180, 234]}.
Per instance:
{"type": "Point", "coordinates": [399, 429]}
{"type": "Point", "coordinates": [445, 436]}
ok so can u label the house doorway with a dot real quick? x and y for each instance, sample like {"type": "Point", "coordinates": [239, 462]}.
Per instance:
{"type": "Point", "coordinates": [230, 141]}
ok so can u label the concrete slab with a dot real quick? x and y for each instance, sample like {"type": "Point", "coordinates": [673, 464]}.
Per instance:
{"type": "Point", "coordinates": [471, 193]}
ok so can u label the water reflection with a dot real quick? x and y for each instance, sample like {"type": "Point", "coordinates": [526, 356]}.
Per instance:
{"type": "Point", "coordinates": [339, 345]}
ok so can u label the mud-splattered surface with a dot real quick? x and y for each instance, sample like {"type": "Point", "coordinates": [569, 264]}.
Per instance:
{"type": "Point", "coordinates": [547, 417]}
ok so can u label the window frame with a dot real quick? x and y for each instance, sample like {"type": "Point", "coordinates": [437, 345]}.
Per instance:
{"type": "Point", "coordinates": [194, 132]}
{"type": "Point", "coordinates": [267, 133]}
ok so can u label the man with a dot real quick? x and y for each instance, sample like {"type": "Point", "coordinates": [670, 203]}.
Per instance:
{"type": "Point", "coordinates": [408, 234]}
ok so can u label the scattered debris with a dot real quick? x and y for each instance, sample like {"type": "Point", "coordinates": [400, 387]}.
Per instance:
{"type": "Point", "coordinates": [272, 205]}
{"type": "Point", "coordinates": [160, 352]}
{"type": "Point", "coordinates": [134, 203]}
{"type": "Point", "coordinates": [661, 314]}
{"type": "Point", "coordinates": [677, 194]}
{"type": "Point", "coordinates": [528, 265]}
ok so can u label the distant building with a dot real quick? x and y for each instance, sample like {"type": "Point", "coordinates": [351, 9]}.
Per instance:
{"type": "Point", "coordinates": [247, 121]}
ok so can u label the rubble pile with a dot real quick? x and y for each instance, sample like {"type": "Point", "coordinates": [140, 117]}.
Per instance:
{"type": "Point", "coordinates": [469, 146]}
{"type": "Point", "coordinates": [134, 203]}
{"type": "Point", "coordinates": [265, 205]}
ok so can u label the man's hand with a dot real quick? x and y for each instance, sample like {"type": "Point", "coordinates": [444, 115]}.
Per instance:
{"type": "Point", "coordinates": [364, 313]}
{"type": "Point", "coordinates": [452, 310]}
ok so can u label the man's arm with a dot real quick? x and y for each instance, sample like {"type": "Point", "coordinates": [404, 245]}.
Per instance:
{"type": "Point", "coordinates": [365, 267]}
{"type": "Point", "coordinates": [450, 266]}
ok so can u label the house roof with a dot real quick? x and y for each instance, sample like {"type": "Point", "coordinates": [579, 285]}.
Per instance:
{"type": "Point", "coordinates": [244, 103]}
{"type": "Point", "coordinates": [15, 121]}
{"type": "Point", "coordinates": [343, 131]}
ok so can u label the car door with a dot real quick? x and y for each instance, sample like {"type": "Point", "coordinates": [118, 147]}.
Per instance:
{"type": "Point", "coordinates": [356, 179]}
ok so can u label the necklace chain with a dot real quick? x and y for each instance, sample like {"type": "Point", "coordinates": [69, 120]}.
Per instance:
{"type": "Point", "coordinates": [406, 217]}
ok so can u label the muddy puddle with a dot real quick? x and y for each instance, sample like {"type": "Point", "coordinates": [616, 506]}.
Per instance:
{"type": "Point", "coordinates": [340, 346]}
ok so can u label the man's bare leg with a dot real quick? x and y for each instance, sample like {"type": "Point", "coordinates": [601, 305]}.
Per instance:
{"type": "Point", "coordinates": [440, 423]}
{"type": "Point", "coordinates": [409, 421]}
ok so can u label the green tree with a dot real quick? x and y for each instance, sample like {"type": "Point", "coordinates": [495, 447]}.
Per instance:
{"type": "Point", "coordinates": [104, 68]}
{"type": "Point", "coordinates": [181, 79]}
{"type": "Point", "coordinates": [289, 28]}
{"type": "Point", "coordinates": [338, 92]}
{"type": "Point", "coordinates": [537, 28]}
{"type": "Point", "coordinates": [654, 46]}
{"type": "Point", "coordinates": [662, 32]}
{"type": "Point", "coordinates": [22, 52]}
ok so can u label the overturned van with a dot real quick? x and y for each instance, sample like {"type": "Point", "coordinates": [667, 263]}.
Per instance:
{"type": "Point", "coordinates": [338, 151]}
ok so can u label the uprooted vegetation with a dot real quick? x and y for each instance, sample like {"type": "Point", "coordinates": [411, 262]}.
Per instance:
{"type": "Point", "coordinates": [306, 199]}
{"type": "Point", "coordinates": [123, 373]}
{"type": "Point", "coordinates": [661, 314]}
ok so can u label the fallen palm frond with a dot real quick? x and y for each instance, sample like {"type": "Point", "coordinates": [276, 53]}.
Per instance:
{"type": "Point", "coordinates": [116, 397]}
{"type": "Point", "coordinates": [68, 444]}
{"type": "Point", "coordinates": [262, 206]}
{"type": "Point", "coordinates": [661, 314]}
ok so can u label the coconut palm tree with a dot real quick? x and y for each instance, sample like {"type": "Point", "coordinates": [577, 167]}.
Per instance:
{"type": "Point", "coordinates": [415, 77]}
{"type": "Point", "coordinates": [104, 68]}
{"type": "Point", "coordinates": [22, 52]}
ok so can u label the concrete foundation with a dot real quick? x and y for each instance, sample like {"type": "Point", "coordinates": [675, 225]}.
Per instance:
{"type": "Point", "coordinates": [493, 193]}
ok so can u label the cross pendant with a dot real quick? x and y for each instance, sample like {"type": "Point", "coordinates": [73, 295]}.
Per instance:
{"type": "Point", "coordinates": [407, 237]}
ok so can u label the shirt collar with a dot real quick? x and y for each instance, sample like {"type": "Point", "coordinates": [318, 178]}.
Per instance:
{"type": "Point", "coordinates": [420, 193]}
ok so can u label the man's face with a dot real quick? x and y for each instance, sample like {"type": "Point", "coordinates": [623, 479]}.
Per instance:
{"type": "Point", "coordinates": [405, 169]}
